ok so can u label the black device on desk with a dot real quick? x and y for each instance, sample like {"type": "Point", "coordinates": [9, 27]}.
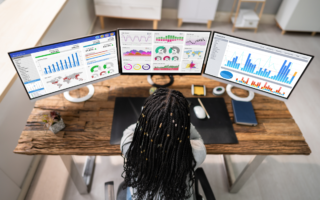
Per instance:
{"type": "Point", "coordinates": [216, 130]}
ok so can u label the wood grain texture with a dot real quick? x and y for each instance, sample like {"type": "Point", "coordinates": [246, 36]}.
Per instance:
{"type": "Point", "coordinates": [88, 124]}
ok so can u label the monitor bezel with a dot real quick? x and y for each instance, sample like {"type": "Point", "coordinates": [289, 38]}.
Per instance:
{"type": "Point", "coordinates": [247, 87]}
{"type": "Point", "coordinates": [151, 73]}
{"type": "Point", "coordinates": [73, 87]}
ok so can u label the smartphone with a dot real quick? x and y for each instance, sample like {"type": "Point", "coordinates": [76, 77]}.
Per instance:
{"type": "Point", "coordinates": [198, 90]}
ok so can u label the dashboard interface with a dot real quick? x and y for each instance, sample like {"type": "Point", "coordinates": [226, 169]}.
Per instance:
{"type": "Point", "coordinates": [262, 67]}
{"type": "Point", "coordinates": [168, 52]}
{"type": "Point", "coordinates": [55, 67]}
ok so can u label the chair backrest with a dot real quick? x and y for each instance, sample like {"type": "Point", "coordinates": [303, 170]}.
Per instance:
{"type": "Point", "coordinates": [200, 176]}
{"type": "Point", "coordinates": [121, 193]}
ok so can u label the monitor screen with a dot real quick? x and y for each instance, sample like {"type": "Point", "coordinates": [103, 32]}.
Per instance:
{"type": "Point", "coordinates": [54, 68]}
{"type": "Point", "coordinates": [264, 68]}
{"type": "Point", "coordinates": [162, 51]}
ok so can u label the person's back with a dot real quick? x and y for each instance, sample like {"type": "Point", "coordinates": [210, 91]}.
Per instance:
{"type": "Point", "coordinates": [162, 149]}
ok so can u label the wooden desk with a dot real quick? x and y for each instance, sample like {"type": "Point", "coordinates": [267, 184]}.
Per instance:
{"type": "Point", "coordinates": [88, 124]}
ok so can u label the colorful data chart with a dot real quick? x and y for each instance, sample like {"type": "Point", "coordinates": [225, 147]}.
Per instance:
{"type": "Point", "coordinates": [136, 38]}
{"type": "Point", "coordinates": [158, 58]}
{"type": "Point", "coordinates": [242, 81]}
{"type": "Point", "coordinates": [167, 67]}
{"type": "Point", "coordinates": [233, 63]}
{"type": "Point", "coordinates": [137, 66]}
{"type": "Point", "coordinates": [254, 84]}
{"type": "Point", "coordinates": [161, 50]}
{"type": "Point", "coordinates": [191, 66]}
{"type": "Point", "coordinates": [194, 54]}
{"type": "Point", "coordinates": [267, 87]}
{"type": "Point", "coordinates": [101, 70]}
{"type": "Point", "coordinates": [278, 92]}
{"type": "Point", "coordinates": [146, 67]}
{"type": "Point", "coordinates": [169, 38]}
{"type": "Point", "coordinates": [127, 66]}
{"type": "Point", "coordinates": [75, 76]}
{"type": "Point", "coordinates": [257, 85]}
{"type": "Point", "coordinates": [175, 58]}
{"type": "Point", "coordinates": [100, 54]}
{"type": "Point", "coordinates": [281, 76]}
{"type": "Point", "coordinates": [60, 65]}
{"type": "Point", "coordinates": [246, 82]}
{"type": "Point", "coordinates": [61, 80]}
{"type": "Point", "coordinates": [137, 53]}
{"type": "Point", "coordinates": [200, 41]}
{"type": "Point", "coordinates": [174, 50]}
{"type": "Point", "coordinates": [248, 66]}
{"type": "Point", "coordinates": [166, 58]}
{"type": "Point", "coordinates": [226, 74]}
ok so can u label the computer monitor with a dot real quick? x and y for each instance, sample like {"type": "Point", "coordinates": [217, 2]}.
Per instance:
{"type": "Point", "coordinates": [169, 52]}
{"type": "Point", "coordinates": [51, 69]}
{"type": "Point", "coordinates": [258, 67]}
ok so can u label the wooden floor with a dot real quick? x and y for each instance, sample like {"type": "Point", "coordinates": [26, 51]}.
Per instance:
{"type": "Point", "coordinates": [278, 177]}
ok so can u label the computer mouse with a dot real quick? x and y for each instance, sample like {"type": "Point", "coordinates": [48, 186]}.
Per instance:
{"type": "Point", "coordinates": [200, 114]}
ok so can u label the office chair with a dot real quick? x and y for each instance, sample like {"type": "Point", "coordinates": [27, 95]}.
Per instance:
{"type": "Point", "coordinates": [199, 176]}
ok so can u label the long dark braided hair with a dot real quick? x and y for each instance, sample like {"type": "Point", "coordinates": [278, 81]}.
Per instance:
{"type": "Point", "coordinates": [159, 160]}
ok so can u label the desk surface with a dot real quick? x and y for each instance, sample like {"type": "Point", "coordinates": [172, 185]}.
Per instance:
{"type": "Point", "coordinates": [88, 124]}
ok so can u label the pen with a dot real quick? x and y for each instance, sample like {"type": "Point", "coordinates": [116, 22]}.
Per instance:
{"type": "Point", "coordinates": [203, 108]}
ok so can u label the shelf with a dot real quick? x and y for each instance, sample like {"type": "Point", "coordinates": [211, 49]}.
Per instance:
{"type": "Point", "coordinates": [246, 19]}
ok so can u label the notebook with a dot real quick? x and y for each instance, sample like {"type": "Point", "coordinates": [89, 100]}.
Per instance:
{"type": "Point", "coordinates": [243, 113]}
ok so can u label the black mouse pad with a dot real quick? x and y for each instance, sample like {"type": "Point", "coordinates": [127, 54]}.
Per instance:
{"type": "Point", "coordinates": [216, 130]}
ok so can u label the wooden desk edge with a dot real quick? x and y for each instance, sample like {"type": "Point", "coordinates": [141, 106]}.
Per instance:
{"type": "Point", "coordinates": [17, 151]}
{"type": "Point", "coordinates": [112, 154]}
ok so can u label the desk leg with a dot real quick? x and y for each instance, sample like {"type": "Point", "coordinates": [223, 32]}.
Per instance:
{"type": "Point", "coordinates": [237, 183]}
{"type": "Point", "coordinates": [84, 182]}
{"type": "Point", "coordinates": [155, 24]}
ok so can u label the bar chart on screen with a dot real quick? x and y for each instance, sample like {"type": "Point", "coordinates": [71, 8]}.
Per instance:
{"type": "Point", "coordinates": [169, 37]}
{"type": "Point", "coordinates": [262, 63]}
{"type": "Point", "coordinates": [262, 85]}
{"type": "Point", "coordinates": [59, 62]}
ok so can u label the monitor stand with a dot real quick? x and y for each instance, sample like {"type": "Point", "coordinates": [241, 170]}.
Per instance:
{"type": "Point", "coordinates": [160, 86]}
{"type": "Point", "coordinates": [82, 99]}
{"type": "Point", "coordinates": [89, 165]}
{"type": "Point", "coordinates": [235, 97]}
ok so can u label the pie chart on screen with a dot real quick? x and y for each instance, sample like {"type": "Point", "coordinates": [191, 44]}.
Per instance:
{"type": "Point", "coordinates": [226, 74]}
{"type": "Point", "coordinates": [146, 66]}
{"type": "Point", "coordinates": [127, 66]}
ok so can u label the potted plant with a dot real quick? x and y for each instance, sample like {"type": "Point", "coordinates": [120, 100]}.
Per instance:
{"type": "Point", "coordinates": [53, 121]}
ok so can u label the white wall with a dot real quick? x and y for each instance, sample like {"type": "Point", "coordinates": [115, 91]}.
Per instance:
{"type": "Point", "coordinates": [75, 20]}
{"type": "Point", "coordinates": [14, 111]}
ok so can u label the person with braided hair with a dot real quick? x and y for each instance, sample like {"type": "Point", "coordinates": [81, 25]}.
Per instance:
{"type": "Point", "coordinates": [162, 150]}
